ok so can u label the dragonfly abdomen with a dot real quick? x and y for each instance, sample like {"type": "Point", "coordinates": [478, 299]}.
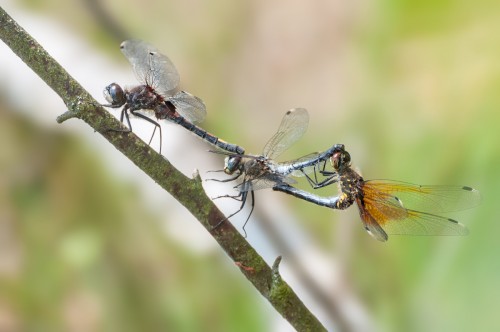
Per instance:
{"type": "Point", "coordinates": [214, 140]}
{"type": "Point", "coordinates": [331, 202]}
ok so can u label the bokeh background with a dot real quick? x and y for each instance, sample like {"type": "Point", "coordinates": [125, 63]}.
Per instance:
{"type": "Point", "coordinates": [89, 243]}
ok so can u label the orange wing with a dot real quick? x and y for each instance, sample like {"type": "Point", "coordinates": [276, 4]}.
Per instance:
{"type": "Point", "coordinates": [431, 199]}
{"type": "Point", "coordinates": [385, 213]}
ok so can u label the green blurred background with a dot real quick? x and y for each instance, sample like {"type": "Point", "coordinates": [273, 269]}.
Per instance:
{"type": "Point", "coordinates": [88, 243]}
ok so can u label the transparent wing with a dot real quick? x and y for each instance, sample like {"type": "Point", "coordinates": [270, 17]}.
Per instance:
{"type": "Point", "coordinates": [420, 223]}
{"type": "Point", "coordinates": [304, 165]}
{"type": "Point", "coordinates": [190, 107]}
{"type": "Point", "coordinates": [384, 213]}
{"type": "Point", "coordinates": [150, 66]}
{"type": "Point", "coordinates": [293, 126]}
{"type": "Point", "coordinates": [264, 182]}
{"type": "Point", "coordinates": [427, 198]}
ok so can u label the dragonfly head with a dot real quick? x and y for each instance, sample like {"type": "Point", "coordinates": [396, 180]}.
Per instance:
{"type": "Point", "coordinates": [114, 95]}
{"type": "Point", "coordinates": [340, 160]}
{"type": "Point", "coordinates": [231, 164]}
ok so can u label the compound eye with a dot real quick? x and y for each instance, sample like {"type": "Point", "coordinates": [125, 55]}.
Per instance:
{"type": "Point", "coordinates": [346, 158]}
{"type": "Point", "coordinates": [336, 160]}
{"type": "Point", "coordinates": [231, 164]}
{"type": "Point", "coordinates": [114, 94]}
{"type": "Point", "coordinates": [340, 159]}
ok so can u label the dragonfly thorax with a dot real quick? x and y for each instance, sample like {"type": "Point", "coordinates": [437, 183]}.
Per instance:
{"type": "Point", "coordinates": [255, 167]}
{"type": "Point", "coordinates": [143, 97]}
{"type": "Point", "coordinates": [351, 183]}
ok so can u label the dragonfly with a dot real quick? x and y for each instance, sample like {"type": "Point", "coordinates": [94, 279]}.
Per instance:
{"type": "Point", "coordinates": [262, 171]}
{"type": "Point", "coordinates": [159, 92]}
{"type": "Point", "coordinates": [388, 206]}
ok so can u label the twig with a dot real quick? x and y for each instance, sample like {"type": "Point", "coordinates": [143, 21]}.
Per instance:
{"type": "Point", "coordinates": [188, 192]}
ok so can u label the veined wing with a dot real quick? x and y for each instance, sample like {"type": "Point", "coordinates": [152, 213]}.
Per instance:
{"type": "Point", "coordinates": [301, 166]}
{"type": "Point", "coordinates": [384, 214]}
{"type": "Point", "coordinates": [190, 107]}
{"type": "Point", "coordinates": [264, 182]}
{"type": "Point", "coordinates": [293, 126]}
{"type": "Point", "coordinates": [150, 66]}
{"type": "Point", "coordinates": [426, 198]}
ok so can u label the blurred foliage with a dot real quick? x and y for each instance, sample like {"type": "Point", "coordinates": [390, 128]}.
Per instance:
{"type": "Point", "coordinates": [79, 253]}
{"type": "Point", "coordinates": [411, 88]}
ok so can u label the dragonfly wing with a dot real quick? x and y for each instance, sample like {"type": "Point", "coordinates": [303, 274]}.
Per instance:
{"type": "Point", "coordinates": [190, 107]}
{"type": "Point", "coordinates": [292, 128]}
{"type": "Point", "coordinates": [389, 213]}
{"type": "Point", "coordinates": [431, 199]}
{"type": "Point", "coordinates": [264, 182]}
{"type": "Point", "coordinates": [420, 223]}
{"type": "Point", "coordinates": [150, 66]}
{"type": "Point", "coordinates": [370, 224]}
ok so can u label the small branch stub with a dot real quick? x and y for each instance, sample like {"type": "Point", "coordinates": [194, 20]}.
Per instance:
{"type": "Point", "coordinates": [276, 281]}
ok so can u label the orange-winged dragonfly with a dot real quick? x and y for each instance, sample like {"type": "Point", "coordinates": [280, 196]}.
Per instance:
{"type": "Point", "coordinates": [391, 207]}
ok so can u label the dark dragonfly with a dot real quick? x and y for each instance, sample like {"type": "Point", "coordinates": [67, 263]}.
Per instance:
{"type": "Point", "coordinates": [391, 207]}
{"type": "Point", "coordinates": [159, 92]}
{"type": "Point", "coordinates": [262, 171]}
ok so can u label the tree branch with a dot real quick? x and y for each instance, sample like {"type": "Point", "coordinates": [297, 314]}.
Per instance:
{"type": "Point", "coordinates": [188, 192]}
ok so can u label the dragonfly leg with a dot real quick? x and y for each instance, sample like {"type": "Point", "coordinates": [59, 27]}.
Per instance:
{"type": "Point", "coordinates": [331, 177]}
{"type": "Point", "coordinates": [225, 180]}
{"type": "Point", "coordinates": [328, 181]}
{"type": "Point", "coordinates": [243, 199]}
{"type": "Point", "coordinates": [124, 113]}
{"type": "Point", "coordinates": [312, 182]}
{"type": "Point", "coordinates": [238, 197]}
{"type": "Point", "coordinates": [144, 117]}
{"type": "Point", "coordinates": [316, 184]}
{"type": "Point", "coordinates": [251, 211]}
